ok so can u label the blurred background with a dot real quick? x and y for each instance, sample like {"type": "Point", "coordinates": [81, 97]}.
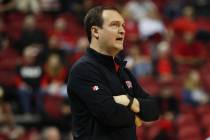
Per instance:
{"type": "Point", "coordinates": [167, 48]}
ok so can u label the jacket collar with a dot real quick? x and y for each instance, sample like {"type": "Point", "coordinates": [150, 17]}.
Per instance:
{"type": "Point", "coordinates": [106, 60]}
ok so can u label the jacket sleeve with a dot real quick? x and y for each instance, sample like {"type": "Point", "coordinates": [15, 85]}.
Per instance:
{"type": "Point", "coordinates": [148, 105]}
{"type": "Point", "coordinates": [85, 82]}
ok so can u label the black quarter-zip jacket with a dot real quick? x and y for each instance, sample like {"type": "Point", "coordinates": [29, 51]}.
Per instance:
{"type": "Point", "coordinates": [93, 81]}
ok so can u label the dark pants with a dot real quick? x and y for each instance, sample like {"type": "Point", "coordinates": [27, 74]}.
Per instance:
{"type": "Point", "coordinates": [27, 96]}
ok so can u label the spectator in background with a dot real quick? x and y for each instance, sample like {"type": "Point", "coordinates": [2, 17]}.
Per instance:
{"type": "Point", "coordinates": [80, 7]}
{"type": "Point", "coordinates": [147, 15]}
{"type": "Point", "coordinates": [193, 92]}
{"type": "Point", "coordinates": [33, 134]}
{"type": "Point", "coordinates": [186, 22]}
{"type": "Point", "coordinates": [131, 28]}
{"type": "Point", "coordinates": [82, 45]}
{"type": "Point", "coordinates": [188, 51]}
{"type": "Point", "coordinates": [29, 6]}
{"type": "Point", "coordinates": [51, 133]}
{"type": "Point", "coordinates": [24, 6]}
{"type": "Point", "coordinates": [38, 6]}
{"type": "Point", "coordinates": [172, 9]}
{"type": "Point", "coordinates": [9, 130]}
{"type": "Point", "coordinates": [202, 7]}
{"type": "Point", "coordinates": [167, 101]}
{"type": "Point", "coordinates": [54, 86]}
{"type": "Point", "coordinates": [28, 78]}
{"type": "Point", "coordinates": [50, 6]}
{"type": "Point", "coordinates": [54, 77]}
{"type": "Point", "coordinates": [169, 105]}
{"type": "Point", "coordinates": [30, 34]}
{"type": "Point", "coordinates": [164, 66]}
{"type": "Point", "coordinates": [53, 43]}
{"type": "Point", "coordinates": [132, 34]}
{"type": "Point", "coordinates": [8, 55]}
{"type": "Point", "coordinates": [2, 26]}
{"type": "Point", "coordinates": [60, 37]}
{"type": "Point", "coordinates": [9, 58]}
{"type": "Point", "coordinates": [5, 41]}
{"type": "Point", "coordinates": [140, 64]}
{"type": "Point", "coordinates": [166, 131]}
{"type": "Point", "coordinates": [7, 5]}
{"type": "Point", "coordinates": [140, 9]}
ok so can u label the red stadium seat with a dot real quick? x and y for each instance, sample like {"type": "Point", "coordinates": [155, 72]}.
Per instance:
{"type": "Point", "coordinates": [73, 25]}
{"type": "Point", "coordinates": [150, 85]}
{"type": "Point", "coordinates": [203, 109]}
{"type": "Point", "coordinates": [189, 133]}
{"type": "Point", "coordinates": [184, 120]}
{"type": "Point", "coordinates": [205, 120]}
{"type": "Point", "coordinates": [207, 134]}
{"type": "Point", "coordinates": [187, 109]}
{"type": "Point", "coordinates": [139, 133]}
{"type": "Point", "coordinates": [3, 137]}
{"type": "Point", "coordinates": [14, 21]}
{"type": "Point", "coordinates": [52, 105]}
{"type": "Point", "coordinates": [205, 76]}
{"type": "Point", "coordinates": [153, 132]}
{"type": "Point", "coordinates": [8, 62]}
{"type": "Point", "coordinates": [44, 22]}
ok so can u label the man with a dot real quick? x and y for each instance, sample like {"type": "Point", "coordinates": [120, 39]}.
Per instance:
{"type": "Point", "coordinates": [105, 98]}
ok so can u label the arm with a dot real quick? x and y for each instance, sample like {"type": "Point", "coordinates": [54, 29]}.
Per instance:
{"type": "Point", "coordinates": [98, 100]}
{"type": "Point", "coordinates": [124, 100]}
{"type": "Point", "coordinates": [148, 106]}
{"type": "Point", "coordinates": [134, 106]}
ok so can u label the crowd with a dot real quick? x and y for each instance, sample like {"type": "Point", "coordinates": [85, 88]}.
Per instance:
{"type": "Point", "coordinates": [167, 48]}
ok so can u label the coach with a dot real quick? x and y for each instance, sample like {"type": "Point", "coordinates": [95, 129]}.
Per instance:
{"type": "Point", "coordinates": [106, 101]}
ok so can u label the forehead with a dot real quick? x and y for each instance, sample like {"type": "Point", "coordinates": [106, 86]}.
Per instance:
{"type": "Point", "coordinates": [112, 15]}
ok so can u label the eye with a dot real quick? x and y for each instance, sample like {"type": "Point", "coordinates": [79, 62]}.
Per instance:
{"type": "Point", "coordinates": [123, 25]}
{"type": "Point", "coordinates": [114, 24]}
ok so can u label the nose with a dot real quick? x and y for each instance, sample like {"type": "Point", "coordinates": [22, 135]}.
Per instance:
{"type": "Point", "coordinates": [122, 30]}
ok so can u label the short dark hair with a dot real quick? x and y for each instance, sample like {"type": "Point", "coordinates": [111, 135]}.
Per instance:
{"type": "Point", "coordinates": [94, 18]}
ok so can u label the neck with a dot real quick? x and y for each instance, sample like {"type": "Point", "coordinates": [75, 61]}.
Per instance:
{"type": "Point", "coordinates": [103, 50]}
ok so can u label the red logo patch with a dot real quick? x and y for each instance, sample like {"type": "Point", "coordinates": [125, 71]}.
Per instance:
{"type": "Point", "coordinates": [95, 88]}
{"type": "Point", "coordinates": [129, 84]}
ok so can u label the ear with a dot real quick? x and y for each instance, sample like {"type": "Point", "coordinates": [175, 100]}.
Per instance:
{"type": "Point", "coordinates": [95, 32]}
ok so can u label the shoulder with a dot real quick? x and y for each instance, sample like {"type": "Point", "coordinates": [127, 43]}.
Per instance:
{"type": "Point", "coordinates": [84, 65]}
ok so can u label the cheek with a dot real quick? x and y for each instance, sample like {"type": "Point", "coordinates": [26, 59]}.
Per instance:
{"type": "Point", "coordinates": [109, 37]}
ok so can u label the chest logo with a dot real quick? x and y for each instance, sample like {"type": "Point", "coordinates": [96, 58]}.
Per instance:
{"type": "Point", "coordinates": [129, 84]}
{"type": "Point", "coordinates": [95, 88]}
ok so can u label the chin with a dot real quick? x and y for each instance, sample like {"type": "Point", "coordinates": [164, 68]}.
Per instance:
{"type": "Point", "coordinates": [116, 48]}
{"type": "Point", "coordinates": [119, 47]}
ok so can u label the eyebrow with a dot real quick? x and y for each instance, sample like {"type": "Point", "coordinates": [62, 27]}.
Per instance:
{"type": "Point", "coordinates": [117, 21]}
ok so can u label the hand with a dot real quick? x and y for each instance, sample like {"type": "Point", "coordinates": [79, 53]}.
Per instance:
{"type": "Point", "coordinates": [121, 99]}
{"type": "Point", "coordinates": [135, 107]}
{"type": "Point", "coordinates": [138, 121]}
{"type": "Point", "coordinates": [24, 86]}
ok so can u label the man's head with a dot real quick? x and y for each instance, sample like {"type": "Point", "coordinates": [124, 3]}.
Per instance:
{"type": "Point", "coordinates": [29, 23]}
{"type": "Point", "coordinates": [51, 133]}
{"type": "Point", "coordinates": [105, 28]}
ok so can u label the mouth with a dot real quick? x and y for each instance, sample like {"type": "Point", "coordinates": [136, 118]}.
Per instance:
{"type": "Point", "coordinates": [119, 39]}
